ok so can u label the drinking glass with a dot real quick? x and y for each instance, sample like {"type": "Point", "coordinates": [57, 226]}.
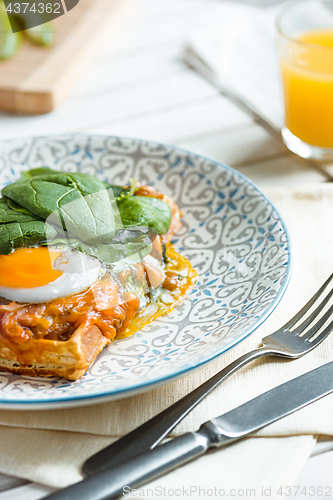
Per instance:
{"type": "Point", "coordinates": [305, 52]}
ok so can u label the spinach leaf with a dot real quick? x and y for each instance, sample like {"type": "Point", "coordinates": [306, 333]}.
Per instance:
{"type": "Point", "coordinates": [145, 211]}
{"type": "Point", "coordinates": [79, 213]}
{"type": "Point", "coordinates": [15, 206]}
{"type": "Point", "coordinates": [22, 234]}
{"type": "Point", "coordinates": [77, 203]}
{"type": "Point", "coordinates": [118, 191]}
{"type": "Point", "coordinates": [18, 229]}
{"type": "Point", "coordinates": [24, 177]}
{"type": "Point", "coordinates": [135, 249]}
{"type": "Point", "coordinates": [133, 244]}
{"type": "Point", "coordinates": [7, 214]}
{"type": "Point", "coordinates": [35, 172]}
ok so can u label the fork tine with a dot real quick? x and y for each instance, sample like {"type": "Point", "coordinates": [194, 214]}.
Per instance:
{"type": "Point", "coordinates": [308, 305]}
{"type": "Point", "coordinates": [313, 315]}
{"type": "Point", "coordinates": [323, 335]}
{"type": "Point", "coordinates": [318, 325]}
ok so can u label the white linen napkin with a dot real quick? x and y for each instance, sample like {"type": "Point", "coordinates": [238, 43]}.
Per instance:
{"type": "Point", "coordinates": [50, 446]}
{"type": "Point", "coordinates": [55, 458]}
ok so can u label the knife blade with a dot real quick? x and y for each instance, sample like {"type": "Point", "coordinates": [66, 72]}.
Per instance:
{"type": "Point", "coordinates": [218, 432]}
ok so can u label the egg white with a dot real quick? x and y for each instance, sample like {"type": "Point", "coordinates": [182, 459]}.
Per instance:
{"type": "Point", "coordinates": [80, 271]}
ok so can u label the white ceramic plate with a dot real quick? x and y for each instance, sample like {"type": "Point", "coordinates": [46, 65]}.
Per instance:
{"type": "Point", "coordinates": [231, 232]}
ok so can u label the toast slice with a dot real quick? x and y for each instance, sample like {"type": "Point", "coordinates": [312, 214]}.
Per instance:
{"type": "Point", "coordinates": [70, 359]}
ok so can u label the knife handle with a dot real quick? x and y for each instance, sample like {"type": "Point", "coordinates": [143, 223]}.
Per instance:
{"type": "Point", "coordinates": [152, 432]}
{"type": "Point", "coordinates": [141, 469]}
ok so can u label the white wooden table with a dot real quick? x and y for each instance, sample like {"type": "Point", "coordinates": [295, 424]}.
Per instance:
{"type": "Point", "coordinates": [139, 87]}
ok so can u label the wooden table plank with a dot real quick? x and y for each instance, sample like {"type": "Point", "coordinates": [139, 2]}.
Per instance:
{"type": "Point", "coordinates": [281, 170]}
{"type": "Point", "coordinates": [89, 112]}
{"type": "Point", "coordinates": [114, 73]}
{"type": "Point", "coordinates": [179, 124]}
{"type": "Point", "coordinates": [236, 145]}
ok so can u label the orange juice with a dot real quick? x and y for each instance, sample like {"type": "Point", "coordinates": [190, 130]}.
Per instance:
{"type": "Point", "coordinates": [307, 76]}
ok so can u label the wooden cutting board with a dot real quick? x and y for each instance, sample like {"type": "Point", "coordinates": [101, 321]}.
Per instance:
{"type": "Point", "coordinates": [37, 79]}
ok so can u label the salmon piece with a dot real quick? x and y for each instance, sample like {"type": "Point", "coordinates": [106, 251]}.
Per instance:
{"type": "Point", "coordinates": [155, 276]}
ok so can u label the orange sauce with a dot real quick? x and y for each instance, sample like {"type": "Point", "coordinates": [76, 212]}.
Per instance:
{"type": "Point", "coordinates": [176, 263]}
{"type": "Point", "coordinates": [101, 305]}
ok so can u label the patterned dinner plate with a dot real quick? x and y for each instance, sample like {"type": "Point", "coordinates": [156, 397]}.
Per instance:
{"type": "Point", "coordinates": [232, 234]}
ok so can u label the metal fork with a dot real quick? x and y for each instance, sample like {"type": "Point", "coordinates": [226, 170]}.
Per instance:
{"type": "Point", "coordinates": [287, 342]}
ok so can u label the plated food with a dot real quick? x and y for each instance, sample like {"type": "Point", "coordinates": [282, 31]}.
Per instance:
{"type": "Point", "coordinates": [82, 262]}
{"type": "Point", "coordinates": [231, 233]}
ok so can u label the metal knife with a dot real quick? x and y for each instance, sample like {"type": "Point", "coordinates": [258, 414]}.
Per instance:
{"type": "Point", "coordinates": [221, 431]}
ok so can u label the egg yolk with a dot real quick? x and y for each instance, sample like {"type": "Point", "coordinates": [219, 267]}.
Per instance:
{"type": "Point", "coordinates": [28, 268]}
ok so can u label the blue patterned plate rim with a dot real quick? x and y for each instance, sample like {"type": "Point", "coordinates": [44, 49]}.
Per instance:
{"type": "Point", "coordinates": [133, 389]}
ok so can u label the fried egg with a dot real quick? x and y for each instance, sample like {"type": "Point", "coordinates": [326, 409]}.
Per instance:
{"type": "Point", "coordinates": [37, 275]}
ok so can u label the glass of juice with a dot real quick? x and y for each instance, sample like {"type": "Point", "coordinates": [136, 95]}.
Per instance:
{"type": "Point", "coordinates": [305, 52]}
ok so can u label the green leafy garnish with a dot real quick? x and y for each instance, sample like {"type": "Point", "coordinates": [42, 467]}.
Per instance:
{"type": "Point", "coordinates": [77, 203]}
{"type": "Point", "coordinates": [135, 245]}
{"type": "Point", "coordinates": [76, 210]}
{"type": "Point", "coordinates": [19, 229]}
{"type": "Point", "coordinates": [35, 172]}
{"type": "Point", "coordinates": [145, 211]}
{"type": "Point", "coordinates": [120, 192]}
{"type": "Point", "coordinates": [9, 214]}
